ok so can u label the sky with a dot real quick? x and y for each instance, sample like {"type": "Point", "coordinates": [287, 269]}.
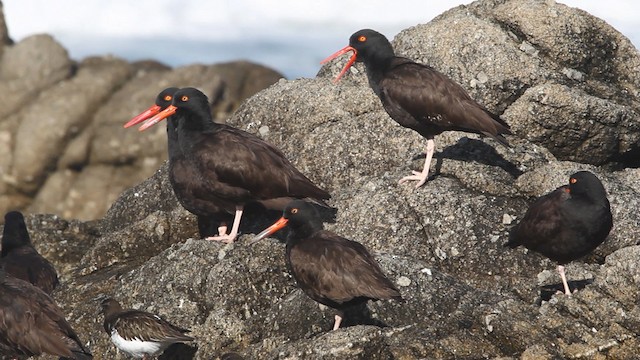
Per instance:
{"type": "Point", "coordinates": [291, 36]}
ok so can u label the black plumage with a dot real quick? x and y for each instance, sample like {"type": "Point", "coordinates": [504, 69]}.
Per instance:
{"type": "Point", "coordinates": [208, 213]}
{"type": "Point", "coordinates": [32, 324]}
{"type": "Point", "coordinates": [334, 271]}
{"type": "Point", "coordinates": [227, 167]}
{"type": "Point", "coordinates": [419, 97]}
{"type": "Point", "coordinates": [566, 224]}
{"type": "Point", "coordinates": [139, 333]}
{"type": "Point", "coordinates": [20, 259]}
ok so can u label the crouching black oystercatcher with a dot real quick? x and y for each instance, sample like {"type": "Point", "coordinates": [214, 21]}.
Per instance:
{"type": "Point", "coordinates": [330, 269]}
{"type": "Point", "coordinates": [567, 223]}
{"type": "Point", "coordinates": [20, 259]}
{"type": "Point", "coordinates": [229, 167]}
{"type": "Point", "coordinates": [180, 169]}
{"type": "Point", "coordinates": [32, 324]}
{"type": "Point", "coordinates": [139, 333]}
{"type": "Point", "coordinates": [419, 97]}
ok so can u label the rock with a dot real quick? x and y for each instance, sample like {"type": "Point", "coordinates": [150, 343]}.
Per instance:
{"type": "Point", "coordinates": [593, 113]}
{"type": "Point", "coordinates": [467, 296]}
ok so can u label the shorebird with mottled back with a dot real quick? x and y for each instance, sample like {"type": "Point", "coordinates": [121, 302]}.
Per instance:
{"type": "Point", "coordinates": [32, 324]}
{"type": "Point", "coordinates": [566, 224]}
{"type": "Point", "coordinates": [334, 271]}
{"type": "Point", "coordinates": [139, 333]}
{"type": "Point", "coordinates": [20, 259]}
{"type": "Point", "coordinates": [419, 97]}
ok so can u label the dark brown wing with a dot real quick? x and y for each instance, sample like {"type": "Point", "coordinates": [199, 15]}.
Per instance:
{"type": "Point", "coordinates": [148, 327]}
{"type": "Point", "coordinates": [542, 223]}
{"type": "Point", "coordinates": [27, 264]}
{"type": "Point", "coordinates": [332, 269]}
{"type": "Point", "coordinates": [32, 323]}
{"type": "Point", "coordinates": [239, 165]}
{"type": "Point", "coordinates": [419, 97]}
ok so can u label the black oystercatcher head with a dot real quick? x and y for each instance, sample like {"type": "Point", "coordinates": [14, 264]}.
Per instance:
{"type": "Point", "coordinates": [366, 45]}
{"type": "Point", "coordinates": [586, 184]}
{"type": "Point", "coordinates": [15, 232]}
{"type": "Point", "coordinates": [163, 100]}
{"type": "Point", "coordinates": [190, 100]}
{"type": "Point", "coordinates": [299, 215]}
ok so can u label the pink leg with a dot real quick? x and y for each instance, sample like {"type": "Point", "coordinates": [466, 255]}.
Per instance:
{"type": "Point", "coordinates": [421, 177]}
{"type": "Point", "coordinates": [338, 320]}
{"type": "Point", "coordinates": [234, 229]}
{"type": "Point", "coordinates": [564, 280]}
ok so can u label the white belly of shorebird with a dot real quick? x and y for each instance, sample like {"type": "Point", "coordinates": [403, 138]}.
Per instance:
{"type": "Point", "coordinates": [137, 348]}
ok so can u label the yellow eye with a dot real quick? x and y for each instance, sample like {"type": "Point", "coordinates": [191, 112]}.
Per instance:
{"type": "Point", "coordinates": [184, 98]}
{"type": "Point", "coordinates": [294, 211]}
{"type": "Point", "coordinates": [167, 98]}
{"type": "Point", "coordinates": [573, 180]}
{"type": "Point", "coordinates": [362, 38]}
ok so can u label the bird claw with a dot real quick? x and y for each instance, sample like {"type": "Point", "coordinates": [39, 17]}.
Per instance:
{"type": "Point", "coordinates": [222, 238]}
{"type": "Point", "coordinates": [417, 176]}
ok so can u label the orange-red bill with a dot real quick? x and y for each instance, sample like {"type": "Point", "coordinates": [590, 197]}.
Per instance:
{"type": "Point", "coordinates": [344, 50]}
{"type": "Point", "coordinates": [170, 110]}
{"type": "Point", "coordinates": [282, 222]}
{"type": "Point", "coordinates": [143, 116]}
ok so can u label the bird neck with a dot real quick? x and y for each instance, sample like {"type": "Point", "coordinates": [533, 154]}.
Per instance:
{"type": "Point", "coordinates": [304, 230]}
{"type": "Point", "coordinates": [13, 238]}
{"type": "Point", "coordinates": [376, 66]}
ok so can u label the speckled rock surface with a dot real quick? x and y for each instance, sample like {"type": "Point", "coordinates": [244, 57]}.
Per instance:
{"type": "Point", "coordinates": [467, 296]}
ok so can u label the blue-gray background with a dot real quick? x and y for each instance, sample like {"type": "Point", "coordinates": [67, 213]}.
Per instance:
{"type": "Point", "coordinates": [291, 36]}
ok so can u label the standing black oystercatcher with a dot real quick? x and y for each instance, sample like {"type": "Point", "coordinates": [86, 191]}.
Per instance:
{"type": "Point", "coordinates": [179, 169]}
{"type": "Point", "coordinates": [20, 259]}
{"type": "Point", "coordinates": [419, 97]}
{"type": "Point", "coordinates": [32, 324]}
{"type": "Point", "coordinates": [330, 269]}
{"type": "Point", "coordinates": [567, 223]}
{"type": "Point", "coordinates": [139, 333]}
{"type": "Point", "coordinates": [230, 167]}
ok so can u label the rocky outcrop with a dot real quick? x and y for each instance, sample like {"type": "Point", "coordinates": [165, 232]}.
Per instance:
{"type": "Point", "coordinates": [61, 129]}
{"type": "Point", "coordinates": [467, 296]}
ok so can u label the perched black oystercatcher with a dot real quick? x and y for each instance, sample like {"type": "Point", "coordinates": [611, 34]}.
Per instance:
{"type": "Point", "coordinates": [330, 269]}
{"type": "Point", "coordinates": [419, 97]}
{"type": "Point", "coordinates": [180, 169]}
{"type": "Point", "coordinates": [32, 324]}
{"type": "Point", "coordinates": [567, 223]}
{"type": "Point", "coordinates": [229, 167]}
{"type": "Point", "coordinates": [20, 259]}
{"type": "Point", "coordinates": [139, 333]}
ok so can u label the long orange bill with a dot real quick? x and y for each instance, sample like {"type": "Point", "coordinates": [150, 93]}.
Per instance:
{"type": "Point", "coordinates": [143, 116]}
{"type": "Point", "coordinates": [170, 110]}
{"type": "Point", "coordinates": [344, 50]}
{"type": "Point", "coordinates": [282, 222]}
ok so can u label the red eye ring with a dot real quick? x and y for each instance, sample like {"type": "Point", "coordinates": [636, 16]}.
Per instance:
{"type": "Point", "coordinates": [362, 38]}
{"type": "Point", "coordinates": [294, 210]}
{"type": "Point", "coordinates": [167, 98]}
{"type": "Point", "coordinates": [184, 98]}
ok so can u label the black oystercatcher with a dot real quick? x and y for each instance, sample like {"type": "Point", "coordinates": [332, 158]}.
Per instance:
{"type": "Point", "coordinates": [330, 269]}
{"type": "Point", "coordinates": [20, 259]}
{"type": "Point", "coordinates": [139, 333]}
{"type": "Point", "coordinates": [567, 223]}
{"type": "Point", "coordinates": [32, 324]}
{"type": "Point", "coordinates": [180, 169]}
{"type": "Point", "coordinates": [419, 97]}
{"type": "Point", "coordinates": [230, 167]}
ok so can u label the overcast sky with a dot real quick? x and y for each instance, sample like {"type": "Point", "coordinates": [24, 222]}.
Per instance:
{"type": "Point", "coordinates": [285, 33]}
